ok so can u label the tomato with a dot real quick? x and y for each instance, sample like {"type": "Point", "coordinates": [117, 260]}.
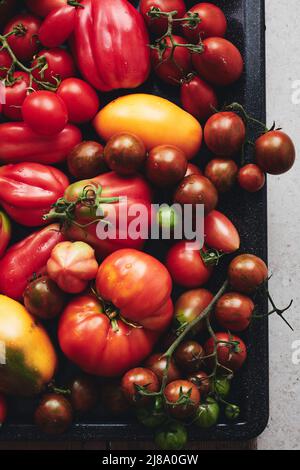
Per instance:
{"type": "Point", "coordinates": [139, 377]}
{"type": "Point", "coordinates": [198, 97]}
{"type": "Point", "coordinates": [202, 382]}
{"type": "Point", "coordinates": [186, 266]}
{"type": "Point", "coordinates": [151, 417]}
{"type": "Point", "coordinates": [275, 152]}
{"type": "Point", "coordinates": [190, 305]}
{"type": "Point", "coordinates": [107, 339]}
{"type": "Point", "coordinates": [7, 8]}
{"type": "Point", "coordinates": [5, 63]}
{"type": "Point", "coordinates": [72, 266]}
{"type": "Point", "coordinates": [222, 173]}
{"type": "Point", "coordinates": [158, 364]}
{"type": "Point", "coordinates": [24, 45]}
{"type": "Point", "coordinates": [60, 65]}
{"type": "Point", "coordinates": [193, 170]}
{"type": "Point", "coordinates": [196, 190]}
{"type": "Point", "coordinates": [3, 409]}
{"type": "Point", "coordinates": [171, 65]}
{"type": "Point", "coordinates": [54, 414]}
{"type": "Point", "coordinates": [45, 113]}
{"type": "Point", "coordinates": [44, 7]}
{"type": "Point", "coordinates": [58, 26]}
{"type": "Point", "coordinates": [171, 437]}
{"type": "Point", "coordinates": [220, 63]}
{"type": "Point", "coordinates": [220, 233]}
{"type": "Point", "coordinates": [158, 26]}
{"type": "Point", "coordinates": [247, 272]}
{"type": "Point", "coordinates": [225, 134]}
{"type": "Point", "coordinates": [230, 356]}
{"type": "Point", "coordinates": [166, 165]}
{"type": "Point", "coordinates": [125, 154]}
{"type": "Point", "coordinates": [80, 98]}
{"type": "Point", "coordinates": [15, 95]}
{"type": "Point", "coordinates": [213, 23]}
{"type": "Point", "coordinates": [251, 178]}
{"type": "Point", "coordinates": [183, 398]}
{"type": "Point", "coordinates": [232, 412]}
{"type": "Point", "coordinates": [234, 311]}
{"type": "Point", "coordinates": [208, 414]}
{"type": "Point", "coordinates": [86, 160]}
{"type": "Point", "coordinates": [5, 232]}
{"type": "Point", "coordinates": [155, 120]}
{"type": "Point", "coordinates": [113, 398]}
{"type": "Point", "coordinates": [221, 386]}
{"type": "Point", "coordinates": [43, 298]}
{"type": "Point", "coordinates": [84, 393]}
{"type": "Point", "coordinates": [189, 356]}
{"type": "Point", "coordinates": [167, 219]}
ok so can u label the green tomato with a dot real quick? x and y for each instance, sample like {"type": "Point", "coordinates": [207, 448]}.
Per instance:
{"type": "Point", "coordinates": [167, 217]}
{"type": "Point", "coordinates": [150, 418]}
{"type": "Point", "coordinates": [171, 437]}
{"type": "Point", "coordinates": [221, 386]}
{"type": "Point", "coordinates": [208, 414]}
{"type": "Point", "coordinates": [232, 412]}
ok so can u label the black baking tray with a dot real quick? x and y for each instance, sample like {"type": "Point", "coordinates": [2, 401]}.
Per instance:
{"type": "Point", "coordinates": [246, 19]}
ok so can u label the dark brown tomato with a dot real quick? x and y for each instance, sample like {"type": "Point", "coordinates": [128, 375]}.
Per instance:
{"type": "Point", "coordinates": [157, 363]}
{"type": "Point", "coordinates": [231, 351]}
{"type": "Point", "coordinates": [190, 305]}
{"type": "Point", "coordinates": [192, 170]}
{"type": "Point", "coordinates": [125, 154]}
{"type": "Point", "coordinates": [179, 390]}
{"type": "Point", "coordinates": [234, 311]}
{"type": "Point", "coordinates": [54, 414]}
{"type": "Point", "coordinates": [84, 393]}
{"type": "Point", "coordinates": [113, 398]}
{"type": "Point", "coordinates": [222, 173]}
{"type": "Point", "coordinates": [225, 134]}
{"type": "Point", "coordinates": [246, 273]}
{"type": "Point", "coordinates": [251, 178]}
{"type": "Point", "coordinates": [275, 152]}
{"type": "Point", "coordinates": [44, 299]}
{"type": "Point", "coordinates": [87, 160]}
{"type": "Point", "coordinates": [202, 382]}
{"type": "Point", "coordinates": [189, 356]}
{"type": "Point", "coordinates": [196, 189]}
{"type": "Point", "coordinates": [166, 165]}
{"type": "Point", "coordinates": [139, 377]}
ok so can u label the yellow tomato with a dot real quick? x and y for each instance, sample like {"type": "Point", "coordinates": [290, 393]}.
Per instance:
{"type": "Point", "coordinates": [27, 357]}
{"type": "Point", "coordinates": [155, 120]}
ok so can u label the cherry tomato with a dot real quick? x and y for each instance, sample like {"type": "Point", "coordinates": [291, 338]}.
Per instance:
{"type": "Point", "coordinates": [220, 63]}
{"type": "Point", "coordinates": [80, 98]}
{"type": "Point", "coordinates": [190, 305]}
{"type": "Point", "coordinates": [192, 170]}
{"type": "Point", "coordinates": [247, 272]}
{"type": "Point", "coordinates": [125, 154]}
{"type": "Point", "coordinates": [222, 173]}
{"type": "Point", "coordinates": [158, 26]}
{"type": "Point", "coordinates": [207, 414]}
{"type": "Point", "coordinates": [171, 67]}
{"type": "Point", "coordinates": [15, 96]}
{"type": "Point", "coordinates": [113, 398]}
{"type": "Point", "coordinates": [43, 299]}
{"type": "Point", "coordinates": [3, 409]}
{"type": "Point", "coordinates": [275, 152]}
{"type": "Point", "coordinates": [45, 113]}
{"type": "Point", "coordinates": [139, 377]}
{"type": "Point", "coordinates": [60, 65]}
{"type": "Point", "coordinates": [186, 266]}
{"type": "Point", "coordinates": [225, 134]}
{"type": "Point", "coordinates": [234, 311]}
{"type": "Point", "coordinates": [151, 417]}
{"type": "Point", "coordinates": [5, 63]}
{"type": "Point", "coordinates": [168, 219]}
{"type": "Point", "coordinates": [231, 356]}
{"type": "Point", "coordinates": [195, 189]}
{"type": "Point", "coordinates": [180, 390]}
{"type": "Point", "coordinates": [221, 386]}
{"type": "Point", "coordinates": [198, 97]}
{"type": "Point", "coordinates": [166, 165]}
{"type": "Point", "coordinates": [232, 412]}
{"type": "Point", "coordinates": [202, 382]}
{"type": "Point", "coordinates": [84, 393]}
{"type": "Point", "coordinates": [25, 43]}
{"type": "Point", "coordinates": [157, 363]}
{"type": "Point", "coordinates": [189, 356]}
{"type": "Point", "coordinates": [44, 7]}
{"type": "Point", "coordinates": [171, 437]}
{"type": "Point", "coordinates": [54, 414]}
{"type": "Point", "coordinates": [220, 233]}
{"type": "Point", "coordinates": [213, 23]}
{"type": "Point", "coordinates": [86, 160]}
{"type": "Point", "coordinates": [251, 178]}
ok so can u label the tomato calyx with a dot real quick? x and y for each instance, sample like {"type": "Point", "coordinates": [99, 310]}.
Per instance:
{"type": "Point", "coordinates": [212, 257]}
{"type": "Point", "coordinates": [74, 3]}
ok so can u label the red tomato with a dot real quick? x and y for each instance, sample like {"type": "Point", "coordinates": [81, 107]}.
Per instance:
{"type": "Point", "coordinates": [5, 63]}
{"type": "Point", "coordinates": [45, 113]}
{"type": "Point", "coordinates": [158, 26]}
{"type": "Point", "coordinates": [275, 152]}
{"type": "Point", "coordinates": [251, 178]}
{"type": "Point", "coordinates": [213, 23]}
{"type": "Point", "coordinates": [80, 98]}
{"type": "Point", "coordinates": [234, 311]}
{"type": "Point", "coordinates": [158, 364]}
{"type": "Point", "coordinates": [3, 409]}
{"type": "Point", "coordinates": [220, 63]}
{"type": "Point", "coordinates": [198, 98]}
{"type": "Point", "coordinates": [15, 96]}
{"type": "Point", "coordinates": [5, 232]}
{"type": "Point", "coordinates": [230, 356]}
{"type": "Point", "coordinates": [44, 7]}
{"type": "Point", "coordinates": [60, 65]}
{"type": "Point", "coordinates": [139, 377]}
{"type": "Point", "coordinates": [247, 272]}
{"type": "Point", "coordinates": [220, 233]}
{"type": "Point", "coordinates": [186, 266]}
{"type": "Point", "coordinates": [171, 68]}
{"type": "Point", "coordinates": [174, 391]}
{"type": "Point", "coordinates": [24, 45]}
{"type": "Point", "coordinates": [105, 337]}
{"type": "Point", "coordinates": [58, 26]}
{"type": "Point", "coordinates": [225, 134]}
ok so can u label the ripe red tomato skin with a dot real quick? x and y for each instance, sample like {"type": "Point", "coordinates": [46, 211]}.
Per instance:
{"type": "Point", "coordinates": [3, 409]}
{"type": "Point", "coordinates": [157, 363]}
{"type": "Point", "coordinates": [15, 96]}
{"type": "Point", "coordinates": [60, 65]}
{"type": "Point", "coordinates": [80, 99]}
{"type": "Point", "coordinates": [251, 178]}
{"type": "Point", "coordinates": [213, 23]}
{"type": "Point", "coordinates": [221, 62]}
{"type": "Point", "coordinates": [142, 377]}
{"type": "Point", "coordinates": [45, 113]}
{"type": "Point", "coordinates": [27, 45]}
{"type": "Point", "coordinates": [186, 266]}
{"type": "Point", "coordinates": [246, 273]}
{"type": "Point", "coordinates": [5, 61]}
{"type": "Point", "coordinates": [198, 98]}
{"type": "Point", "coordinates": [234, 311]}
{"type": "Point", "coordinates": [226, 356]}
{"type": "Point", "coordinates": [158, 26]}
{"type": "Point", "coordinates": [275, 152]}
{"type": "Point", "coordinates": [44, 7]}
{"type": "Point", "coordinates": [57, 26]}
{"type": "Point", "coordinates": [172, 394]}
{"type": "Point", "coordinates": [224, 134]}
{"type": "Point", "coordinates": [220, 233]}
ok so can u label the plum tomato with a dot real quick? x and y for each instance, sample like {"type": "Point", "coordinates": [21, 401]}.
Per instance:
{"type": "Point", "coordinates": [84, 393]}
{"type": "Point", "coordinates": [225, 134]}
{"type": "Point", "coordinates": [158, 26]}
{"type": "Point", "coordinates": [59, 65]}
{"type": "Point", "coordinates": [3, 409]}
{"type": "Point", "coordinates": [190, 305]}
{"type": "Point", "coordinates": [25, 43]}
{"type": "Point", "coordinates": [246, 273]}
{"type": "Point", "coordinates": [134, 380]}
{"type": "Point", "coordinates": [5, 63]}
{"type": "Point", "coordinates": [231, 356]}
{"type": "Point", "coordinates": [189, 356]}
{"type": "Point", "coordinates": [15, 95]}
{"type": "Point", "coordinates": [166, 165]}
{"type": "Point", "coordinates": [251, 178]}
{"type": "Point", "coordinates": [202, 382]}
{"type": "Point", "coordinates": [158, 364]}
{"type": "Point", "coordinates": [195, 190]}
{"type": "Point", "coordinates": [125, 154]}
{"type": "Point", "coordinates": [173, 436]}
{"type": "Point", "coordinates": [44, 299]}
{"type": "Point", "coordinates": [220, 233]}
{"type": "Point", "coordinates": [54, 414]}
{"type": "Point", "coordinates": [198, 97]}
{"type": "Point", "coordinates": [183, 398]}
{"type": "Point", "coordinates": [207, 414]}
{"type": "Point", "coordinates": [222, 173]}
{"type": "Point", "coordinates": [80, 98]}
{"type": "Point", "coordinates": [86, 160]}
{"type": "Point", "coordinates": [113, 398]}
{"type": "Point", "coordinates": [275, 152]}
{"type": "Point", "coordinates": [213, 22]}
{"type": "Point", "coordinates": [234, 311]}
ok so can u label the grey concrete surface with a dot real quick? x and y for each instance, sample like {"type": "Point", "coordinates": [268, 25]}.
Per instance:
{"type": "Point", "coordinates": [283, 105]}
